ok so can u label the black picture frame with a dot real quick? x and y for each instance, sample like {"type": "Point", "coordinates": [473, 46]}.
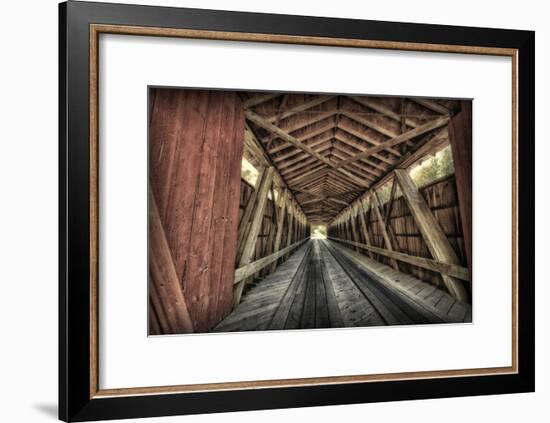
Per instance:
{"type": "Point", "coordinates": [75, 402]}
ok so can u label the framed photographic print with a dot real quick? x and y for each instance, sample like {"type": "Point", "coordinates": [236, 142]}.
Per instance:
{"type": "Point", "coordinates": [266, 211]}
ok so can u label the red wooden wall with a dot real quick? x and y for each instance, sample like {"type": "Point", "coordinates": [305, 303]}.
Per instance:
{"type": "Point", "coordinates": [195, 150]}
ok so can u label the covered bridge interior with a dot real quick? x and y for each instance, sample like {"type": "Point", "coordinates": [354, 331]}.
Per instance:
{"type": "Point", "coordinates": [239, 179]}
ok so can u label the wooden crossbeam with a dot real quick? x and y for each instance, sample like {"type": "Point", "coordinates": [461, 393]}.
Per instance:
{"type": "Point", "coordinates": [438, 244]}
{"type": "Point", "coordinates": [298, 166]}
{"type": "Point", "coordinates": [280, 221]}
{"type": "Point", "coordinates": [375, 205]}
{"type": "Point", "coordinates": [260, 121]}
{"type": "Point", "coordinates": [254, 229]}
{"type": "Point", "coordinates": [289, 128]}
{"type": "Point", "coordinates": [311, 134]}
{"type": "Point", "coordinates": [259, 99]}
{"type": "Point", "coordinates": [320, 149]}
{"type": "Point", "coordinates": [427, 127]}
{"type": "Point", "coordinates": [278, 115]}
{"type": "Point", "coordinates": [386, 111]}
{"type": "Point", "coordinates": [300, 108]}
{"type": "Point", "coordinates": [345, 137]}
{"type": "Point", "coordinates": [364, 226]}
{"type": "Point", "coordinates": [342, 154]}
{"type": "Point", "coordinates": [322, 197]}
{"type": "Point", "coordinates": [245, 217]}
{"type": "Point", "coordinates": [250, 269]}
{"type": "Point", "coordinates": [373, 125]}
{"type": "Point", "coordinates": [305, 177]}
{"type": "Point", "coordinates": [456, 271]}
{"type": "Point", "coordinates": [356, 180]}
{"type": "Point", "coordinates": [368, 138]}
{"type": "Point", "coordinates": [390, 204]}
{"type": "Point", "coordinates": [311, 142]}
{"type": "Point", "coordinates": [432, 105]}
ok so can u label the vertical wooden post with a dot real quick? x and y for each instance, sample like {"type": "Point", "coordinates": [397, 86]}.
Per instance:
{"type": "Point", "coordinates": [387, 240]}
{"type": "Point", "coordinates": [389, 228]}
{"type": "Point", "coordinates": [252, 233]}
{"type": "Point", "coordinates": [290, 224]}
{"type": "Point", "coordinates": [460, 137]}
{"type": "Point", "coordinates": [280, 221]}
{"type": "Point", "coordinates": [364, 228]}
{"type": "Point", "coordinates": [435, 239]}
{"type": "Point", "coordinates": [355, 235]}
{"type": "Point", "coordinates": [245, 218]}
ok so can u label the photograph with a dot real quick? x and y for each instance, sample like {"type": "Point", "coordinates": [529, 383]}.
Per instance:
{"type": "Point", "coordinates": [293, 210]}
{"type": "Point", "coordinates": [284, 208]}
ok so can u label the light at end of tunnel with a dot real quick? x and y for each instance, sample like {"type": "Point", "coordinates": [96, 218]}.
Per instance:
{"type": "Point", "coordinates": [318, 232]}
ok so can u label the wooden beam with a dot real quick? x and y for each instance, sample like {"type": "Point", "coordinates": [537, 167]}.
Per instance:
{"type": "Point", "coordinates": [260, 121]}
{"type": "Point", "coordinates": [343, 155]}
{"type": "Point", "coordinates": [259, 99]}
{"type": "Point", "coordinates": [280, 221]}
{"type": "Point", "coordinates": [290, 224]}
{"type": "Point", "coordinates": [387, 240]}
{"type": "Point", "coordinates": [247, 213]}
{"type": "Point", "coordinates": [345, 137]}
{"type": "Point", "coordinates": [355, 179]}
{"type": "Point", "coordinates": [453, 270]}
{"type": "Point", "coordinates": [435, 239]}
{"type": "Point", "coordinates": [432, 143]}
{"type": "Point", "coordinates": [320, 148]}
{"type": "Point", "coordinates": [164, 276]}
{"type": "Point", "coordinates": [254, 229]}
{"type": "Point", "coordinates": [386, 111]}
{"type": "Point", "coordinates": [364, 226]}
{"type": "Point", "coordinates": [300, 108]}
{"type": "Point", "coordinates": [430, 126]}
{"type": "Point", "coordinates": [460, 137]}
{"type": "Point", "coordinates": [432, 105]}
{"type": "Point", "coordinates": [322, 197]}
{"type": "Point", "coordinates": [375, 126]}
{"type": "Point", "coordinates": [390, 205]}
{"type": "Point", "coordinates": [301, 124]}
{"type": "Point", "coordinates": [320, 170]}
{"type": "Point", "coordinates": [306, 137]}
{"type": "Point", "coordinates": [310, 142]}
{"type": "Point", "coordinates": [250, 269]}
{"type": "Point", "coordinates": [368, 139]}
{"type": "Point", "coordinates": [277, 119]}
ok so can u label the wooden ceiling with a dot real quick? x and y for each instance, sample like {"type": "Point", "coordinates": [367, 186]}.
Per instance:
{"type": "Point", "coordinates": [330, 149]}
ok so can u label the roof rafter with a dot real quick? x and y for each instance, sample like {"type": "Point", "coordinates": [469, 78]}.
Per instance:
{"type": "Point", "coordinates": [427, 127]}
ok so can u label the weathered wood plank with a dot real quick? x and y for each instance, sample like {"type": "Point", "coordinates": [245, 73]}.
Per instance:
{"type": "Point", "coordinates": [244, 222]}
{"type": "Point", "coordinates": [435, 239]}
{"type": "Point", "coordinates": [281, 315]}
{"type": "Point", "coordinates": [250, 269]}
{"type": "Point", "coordinates": [375, 205]}
{"type": "Point", "coordinates": [252, 235]}
{"type": "Point", "coordinates": [165, 282]}
{"type": "Point", "coordinates": [456, 271]}
{"type": "Point", "coordinates": [409, 287]}
{"type": "Point", "coordinates": [460, 137]}
{"type": "Point", "coordinates": [430, 126]}
{"type": "Point", "coordinates": [260, 121]}
{"type": "Point", "coordinates": [195, 137]}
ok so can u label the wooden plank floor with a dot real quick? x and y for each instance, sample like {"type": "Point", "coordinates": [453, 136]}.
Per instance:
{"type": "Point", "coordinates": [421, 294]}
{"type": "Point", "coordinates": [324, 284]}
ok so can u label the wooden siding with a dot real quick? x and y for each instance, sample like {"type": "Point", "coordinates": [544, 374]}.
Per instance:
{"type": "Point", "coordinates": [195, 150]}
{"type": "Point", "coordinates": [441, 196]}
{"type": "Point", "coordinates": [266, 238]}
